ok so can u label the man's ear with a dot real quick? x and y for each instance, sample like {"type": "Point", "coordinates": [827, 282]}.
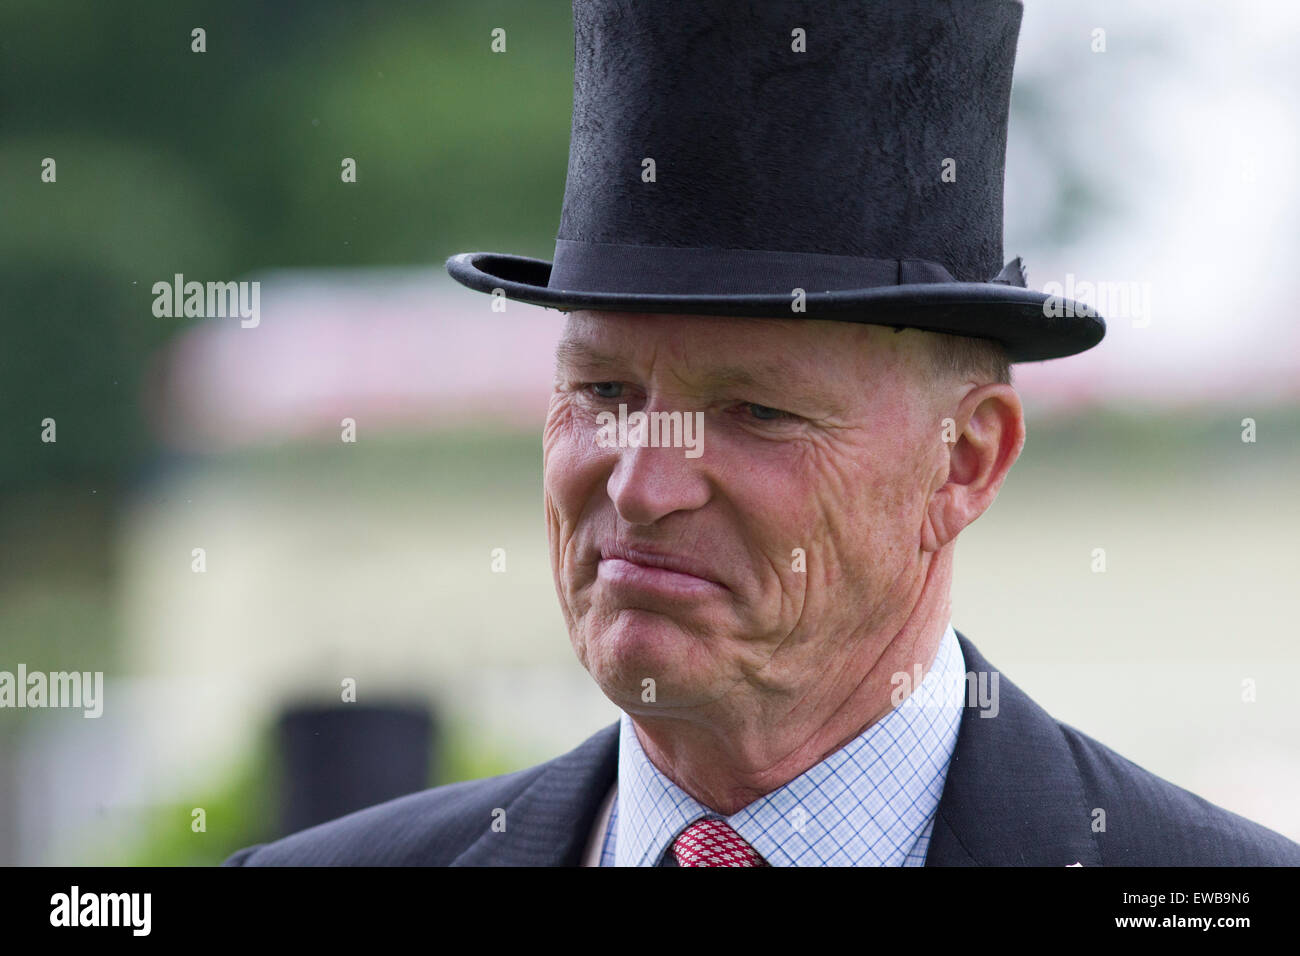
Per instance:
{"type": "Point", "coordinates": [989, 426]}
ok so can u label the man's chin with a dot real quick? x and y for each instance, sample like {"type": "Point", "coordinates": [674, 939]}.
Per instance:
{"type": "Point", "coordinates": [640, 658]}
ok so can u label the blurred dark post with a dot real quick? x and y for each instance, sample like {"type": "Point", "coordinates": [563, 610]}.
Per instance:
{"type": "Point", "coordinates": [343, 757]}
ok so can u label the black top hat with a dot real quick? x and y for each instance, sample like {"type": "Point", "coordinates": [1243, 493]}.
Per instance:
{"type": "Point", "coordinates": [726, 154]}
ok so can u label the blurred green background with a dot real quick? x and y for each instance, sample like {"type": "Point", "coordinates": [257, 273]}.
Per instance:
{"type": "Point", "coordinates": [373, 560]}
{"type": "Point", "coordinates": [213, 165]}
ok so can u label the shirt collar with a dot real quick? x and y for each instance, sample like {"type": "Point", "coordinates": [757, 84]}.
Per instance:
{"type": "Point", "coordinates": [871, 803]}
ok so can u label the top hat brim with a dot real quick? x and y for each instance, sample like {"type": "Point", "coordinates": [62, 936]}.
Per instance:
{"type": "Point", "coordinates": [1032, 326]}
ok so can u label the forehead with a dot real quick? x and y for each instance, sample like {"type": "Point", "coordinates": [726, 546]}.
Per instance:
{"type": "Point", "coordinates": [715, 366]}
{"type": "Point", "coordinates": [740, 349]}
{"type": "Point", "coordinates": [829, 367]}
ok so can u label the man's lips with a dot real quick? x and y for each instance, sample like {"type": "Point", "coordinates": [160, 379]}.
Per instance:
{"type": "Point", "coordinates": [657, 571]}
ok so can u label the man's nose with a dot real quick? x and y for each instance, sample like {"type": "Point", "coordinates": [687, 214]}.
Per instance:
{"type": "Point", "coordinates": [649, 483]}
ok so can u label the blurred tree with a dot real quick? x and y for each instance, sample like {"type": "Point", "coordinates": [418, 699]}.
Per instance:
{"type": "Point", "coordinates": [220, 163]}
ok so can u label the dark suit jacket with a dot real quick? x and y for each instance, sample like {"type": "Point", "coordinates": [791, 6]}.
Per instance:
{"type": "Point", "coordinates": [1020, 791]}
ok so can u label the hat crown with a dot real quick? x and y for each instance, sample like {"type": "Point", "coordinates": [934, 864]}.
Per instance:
{"type": "Point", "coordinates": [883, 137]}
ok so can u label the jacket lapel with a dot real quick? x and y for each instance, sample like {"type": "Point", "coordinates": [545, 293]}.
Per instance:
{"type": "Point", "coordinates": [549, 822]}
{"type": "Point", "coordinates": [1013, 795]}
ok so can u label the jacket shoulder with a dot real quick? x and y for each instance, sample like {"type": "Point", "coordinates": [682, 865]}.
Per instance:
{"type": "Point", "coordinates": [429, 828]}
{"type": "Point", "coordinates": [1150, 821]}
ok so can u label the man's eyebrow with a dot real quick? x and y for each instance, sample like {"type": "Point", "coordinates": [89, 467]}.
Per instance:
{"type": "Point", "coordinates": [778, 373]}
{"type": "Point", "coordinates": [569, 352]}
{"type": "Point", "coordinates": [779, 376]}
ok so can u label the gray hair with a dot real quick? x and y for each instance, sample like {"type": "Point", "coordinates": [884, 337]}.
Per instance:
{"type": "Point", "coordinates": [963, 356]}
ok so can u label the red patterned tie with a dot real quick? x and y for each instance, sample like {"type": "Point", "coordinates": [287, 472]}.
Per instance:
{"type": "Point", "coordinates": [714, 843]}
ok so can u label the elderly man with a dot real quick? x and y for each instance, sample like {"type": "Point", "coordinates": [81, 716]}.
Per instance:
{"type": "Point", "coordinates": [782, 226]}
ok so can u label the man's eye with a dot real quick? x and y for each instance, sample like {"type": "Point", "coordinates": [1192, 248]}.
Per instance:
{"type": "Point", "coordinates": [766, 413]}
{"type": "Point", "coordinates": [606, 389]}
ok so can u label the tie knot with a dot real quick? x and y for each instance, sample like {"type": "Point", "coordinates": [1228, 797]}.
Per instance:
{"type": "Point", "coordinates": [714, 843]}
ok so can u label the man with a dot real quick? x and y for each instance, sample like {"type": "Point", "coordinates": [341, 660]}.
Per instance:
{"type": "Point", "coordinates": [782, 393]}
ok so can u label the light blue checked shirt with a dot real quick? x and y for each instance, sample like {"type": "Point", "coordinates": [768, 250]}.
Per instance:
{"type": "Point", "coordinates": [871, 803]}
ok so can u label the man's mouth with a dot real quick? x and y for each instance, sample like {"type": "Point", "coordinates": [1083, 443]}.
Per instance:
{"type": "Point", "coordinates": [658, 572]}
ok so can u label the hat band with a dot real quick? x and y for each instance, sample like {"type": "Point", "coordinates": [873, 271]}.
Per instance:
{"type": "Point", "coordinates": [676, 270]}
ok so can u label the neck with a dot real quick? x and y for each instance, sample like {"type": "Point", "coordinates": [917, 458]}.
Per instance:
{"type": "Point", "coordinates": [727, 761]}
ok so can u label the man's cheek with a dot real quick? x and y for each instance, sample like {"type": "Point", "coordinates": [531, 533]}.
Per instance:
{"type": "Point", "coordinates": [789, 563]}
{"type": "Point", "coordinates": [823, 523]}
{"type": "Point", "coordinates": [569, 444]}
{"type": "Point", "coordinates": [555, 434]}
{"type": "Point", "coordinates": [563, 454]}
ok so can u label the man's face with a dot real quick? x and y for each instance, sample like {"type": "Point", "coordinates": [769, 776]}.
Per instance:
{"type": "Point", "coordinates": [819, 438]}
